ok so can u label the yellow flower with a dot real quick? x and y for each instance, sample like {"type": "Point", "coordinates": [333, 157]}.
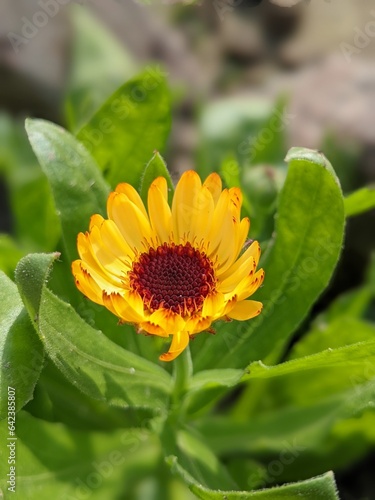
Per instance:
{"type": "Point", "coordinates": [171, 270]}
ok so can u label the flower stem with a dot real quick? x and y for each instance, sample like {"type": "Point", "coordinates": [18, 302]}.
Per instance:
{"type": "Point", "coordinates": [182, 371]}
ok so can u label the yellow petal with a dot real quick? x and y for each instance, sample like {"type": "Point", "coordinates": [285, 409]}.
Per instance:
{"type": "Point", "coordinates": [122, 307]}
{"type": "Point", "coordinates": [95, 220]}
{"type": "Point", "coordinates": [179, 343]}
{"type": "Point", "coordinates": [222, 241]}
{"type": "Point", "coordinates": [132, 195]}
{"type": "Point", "coordinates": [197, 324]}
{"type": "Point", "coordinates": [153, 329]}
{"type": "Point", "coordinates": [213, 305]}
{"type": "Point", "coordinates": [169, 321]}
{"type": "Point", "coordinates": [246, 268]}
{"type": "Point", "coordinates": [162, 185]}
{"type": "Point", "coordinates": [106, 258]}
{"type": "Point", "coordinates": [245, 309]}
{"type": "Point", "coordinates": [85, 283]}
{"type": "Point", "coordinates": [241, 236]}
{"type": "Point", "coordinates": [228, 232]}
{"type": "Point", "coordinates": [214, 185]}
{"type": "Point", "coordinates": [133, 225]}
{"type": "Point", "coordinates": [95, 268]}
{"type": "Point", "coordinates": [159, 210]}
{"type": "Point", "coordinates": [113, 239]}
{"type": "Point", "coordinates": [248, 286]}
{"type": "Point", "coordinates": [200, 225]}
{"type": "Point", "coordinates": [104, 281]}
{"type": "Point", "coordinates": [235, 205]}
{"type": "Point", "coordinates": [253, 252]}
{"type": "Point", "coordinates": [185, 206]}
{"type": "Point", "coordinates": [87, 257]}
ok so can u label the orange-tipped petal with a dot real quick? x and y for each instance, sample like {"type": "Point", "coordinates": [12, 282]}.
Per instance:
{"type": "Point", "coordinates": [179, 342]}
{"type": "Point", "coordinates": [246, 309]}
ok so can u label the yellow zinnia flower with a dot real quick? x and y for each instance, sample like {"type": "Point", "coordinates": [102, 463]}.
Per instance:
{"type": "Point", "coordinates": [171, 271]}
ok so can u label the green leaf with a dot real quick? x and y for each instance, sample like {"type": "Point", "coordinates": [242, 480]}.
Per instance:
{"type": "Point", "coordinates": [78, 188]}
{"type": "Point", "coordinates": [10, 254]}
{"type": "Point", "coordinates": [298, 267]}
{"type": "Point", "coordinates": [321, 487]}
{"type": "Point", "coordinates": [53, 461]}
{"type": "Point", "coordinates": [330, 358]}
{"type": "Point", "coordinates": [31, 274]}
{"type": "Point", "coordinates": [207, 386]}
{"type": "Point", "coordinates": [360, 201]}
{"type": "Point", "coordinates": [156, 167]}
{"type": "Point", "coordinates": [34, 219]}
{"type": "Point", "coordinates": [56, 399]}
{"type": "Point", "coordinates": [348, 357]}
{"type": "Point", "coordinates": [344, 364]}
{"type": "Point", "coordinates": [213, 378]}
{"type": "Point", "coordinates": [129, 127]}
{"type": "Point", "coordinates": [200, 459]}
{"type": "Point", "coordinates": [196, 457]}
{"type": "Point", "coordinates": [305, 427]}
{"type": "Point", "coordinates": [21, 352]}
{"type": "Point", "coordinates": [88, 359]}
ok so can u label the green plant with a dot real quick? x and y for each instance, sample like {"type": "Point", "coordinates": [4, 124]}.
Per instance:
{"type": "Point", "coordinates": [97, 416]}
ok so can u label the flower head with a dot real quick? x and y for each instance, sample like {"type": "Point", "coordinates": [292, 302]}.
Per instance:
{"type": "Point", "coordinates": [171, 270]}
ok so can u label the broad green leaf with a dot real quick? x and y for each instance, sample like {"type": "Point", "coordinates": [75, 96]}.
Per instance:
{"type": "Point", "coordinates": [298, 267]}
{"type": "Point", "coordinates": [207, 386]}
{"type": "Point", "coordinates": [213, 378]}
{"type": "Point", "coordinates": [348, 357]}
{"type": "Point", "coordinates": [129, 127]}
{"type": "Point", "coordinates": [196, 457]}
{"type": "Point", "coordinates": [330, 359]}
{"type": "Point", "coordinates": [339, 332]}
{"type": "Point", "coordinates": [360, 201]}
{"type": "Point", "coordinates": [156, 167]}
{"type": "Point", "coordinates": [53, 461]}
{"type": "Point", "coordinates": [78, 189]}
{"type": "Point", "coordinates": [34, 220]}
{"type": "Point", "coordinates": [321, 487]}
{"type": "Point", "coordinates": [249, 474]}
{"type": "Point", "coordinates": [343, 363]}
{"type": "Point", "coordinates": [303, 428]}
{"type": "Point", "coordinates": [21, 352]}
{"type": "Point", "coordinates": [56, 399]}
{"type": "Point", "coordinates": [88, 359]}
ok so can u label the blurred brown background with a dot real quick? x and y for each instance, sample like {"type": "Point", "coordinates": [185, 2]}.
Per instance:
{"type": "Point", "coordinates": [320, 53]}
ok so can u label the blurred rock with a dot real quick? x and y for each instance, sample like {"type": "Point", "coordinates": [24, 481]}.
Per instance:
{"type": "Point", "coordinates": [241, 38]}
{"type": "Point", "coordinates": [285, 3]}
{"type": "Point", "coordinates": [323, 27]}
{"type": "Point", "coordinates": [337, 97]}
{"type": "Point", "coordinates": [148, 34]}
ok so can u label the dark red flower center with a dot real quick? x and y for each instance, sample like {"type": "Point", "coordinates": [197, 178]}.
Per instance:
{"type": "Point", "coordinates": [175, 277]}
